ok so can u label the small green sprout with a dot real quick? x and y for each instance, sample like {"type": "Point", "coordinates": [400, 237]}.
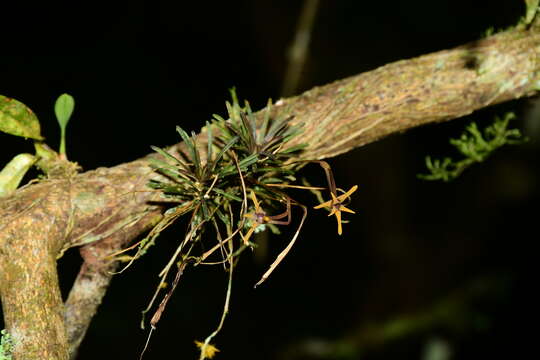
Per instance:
{"type": "Point", "coordinates": [475, 146]}
{"type": "Point", "coordinates": [17, 119]}
{"type": "Point", "coordinates": [63, 109]}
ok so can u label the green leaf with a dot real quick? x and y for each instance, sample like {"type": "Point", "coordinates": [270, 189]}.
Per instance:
{"type": "Point", "coordinates": [170, 170]}
{"type": "Point", "coordinates": [210, 143]}
{"type": "Point", "coordinates": [222, 217]}
{"type": "Point", "coordinates": [12, 174]}
{"type": "Point", "coordinates": [532, 8]}
{"type": "Point", "coordinates": [196, 158]}
{"type": "Point", "coordinates": [476, 146]}
{"type": "Point", "coordinates": [223, 151]}
{"type": "Point", "coordinates": [63, 108]}
{"type": "Point", "coordinates": [17, 119]}
{"type": "Point", "coordinates": [294, 148]}
{"type": "Point", "coordinates": [192, 148]}
{"type": "Point", "coordinates": [266, 119]}
{"type": "Point", "coordinates": [248, 161]}
{"type": "Point", "coordinates": [226, 194]}
{"type": "Point", "coordinates": [169, 156]}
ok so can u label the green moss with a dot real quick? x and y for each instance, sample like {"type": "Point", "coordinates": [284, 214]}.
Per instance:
{"type": "Point", "coordinates": [475, 146]}
{"type": "Point", "coordinates": [6, 345]}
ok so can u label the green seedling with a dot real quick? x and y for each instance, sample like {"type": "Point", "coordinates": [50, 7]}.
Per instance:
{"type": "Point", "coordinates": [63, 109]}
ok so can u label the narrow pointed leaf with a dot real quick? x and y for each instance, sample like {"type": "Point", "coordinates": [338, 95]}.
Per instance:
{"type": "Point", "coordinates": [223, 151]}
{"type": "Point", "coordinates": [190, 145]}
{"type": "Point", "coordinates": [251, 159]}
{"type": "Point", "coordinates": [210, 143]}
{"type": "Point", "coordinates": [195, 153]}
{"type": "Point", "coordinates": [167, 155]}
{"type": "Point", "coordinates": [227, 195]}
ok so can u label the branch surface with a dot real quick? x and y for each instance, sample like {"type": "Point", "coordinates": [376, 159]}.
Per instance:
{"type": "Point", "coordinates": [441, 86]}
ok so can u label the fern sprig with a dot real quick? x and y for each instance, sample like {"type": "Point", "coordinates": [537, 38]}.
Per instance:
{"type": "Point", "coordinates": [475, 146]}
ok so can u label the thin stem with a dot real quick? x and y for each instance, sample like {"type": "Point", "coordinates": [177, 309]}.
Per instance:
{"type": "Point", "coordinates": [299, 48]}
{"type": "Point", "coordinates": [225, 309]}
{"type": "Point", "coordinates": [63, 142]}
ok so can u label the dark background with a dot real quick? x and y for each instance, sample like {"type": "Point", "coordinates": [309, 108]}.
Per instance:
{"type": "Point", "coordinates": [138, 69]}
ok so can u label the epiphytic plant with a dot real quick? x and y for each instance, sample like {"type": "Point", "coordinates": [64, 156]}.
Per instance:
{"type": "Point", "coordinates": [211, 180]}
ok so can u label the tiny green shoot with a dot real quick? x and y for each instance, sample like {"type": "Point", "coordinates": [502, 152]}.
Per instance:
{"type": "Point", "coordinates": [63, 109]}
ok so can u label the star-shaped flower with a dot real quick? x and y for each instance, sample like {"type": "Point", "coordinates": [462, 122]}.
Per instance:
{"type": "Point", "coordinates": [336, 206]}
{"type": "Point", "coordinates": [208, 351]}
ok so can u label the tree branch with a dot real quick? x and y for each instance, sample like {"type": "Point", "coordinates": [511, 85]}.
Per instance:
{"type": "Point", "coordinates": [432, 88]}
{"type": "Point", "coordinates": [39, 221]}
{"type": "Point", "coordinates": [94, 278]}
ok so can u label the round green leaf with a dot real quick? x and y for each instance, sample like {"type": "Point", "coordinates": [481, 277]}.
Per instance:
{"type": "Point", "coordinates": [17, 119]}
{"type": "Point", "coordinates": [63, 108]}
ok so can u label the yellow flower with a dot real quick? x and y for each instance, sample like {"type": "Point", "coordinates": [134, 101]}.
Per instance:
{"type": "Point", "coordinates": [336, 206]}
{"type": "Point", "coordinates": [208, 351]}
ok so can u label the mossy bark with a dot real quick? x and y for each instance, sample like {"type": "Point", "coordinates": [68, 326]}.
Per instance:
{"type": "Point", "coordinates": [112, 205]}
{"type": "Point", "coordinates": [101, 208]}
{"type": "Point", "coordinates": [32, 234]}
{"type": "Point", "coordinates": [437, 87]}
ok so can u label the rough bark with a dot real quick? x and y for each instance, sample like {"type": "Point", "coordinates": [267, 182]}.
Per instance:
{"type": "Point", "coordinates": [113, 205]}
{"type": "Point", "coordinates": [38, 224]}
{"type": "Point", "coordinates": [94, 277]}
{"type": "Point", "coordinates": [432, 88]}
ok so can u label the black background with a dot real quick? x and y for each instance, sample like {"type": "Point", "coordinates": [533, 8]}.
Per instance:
{"type": "Point", "coordinates": [138, 69]}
